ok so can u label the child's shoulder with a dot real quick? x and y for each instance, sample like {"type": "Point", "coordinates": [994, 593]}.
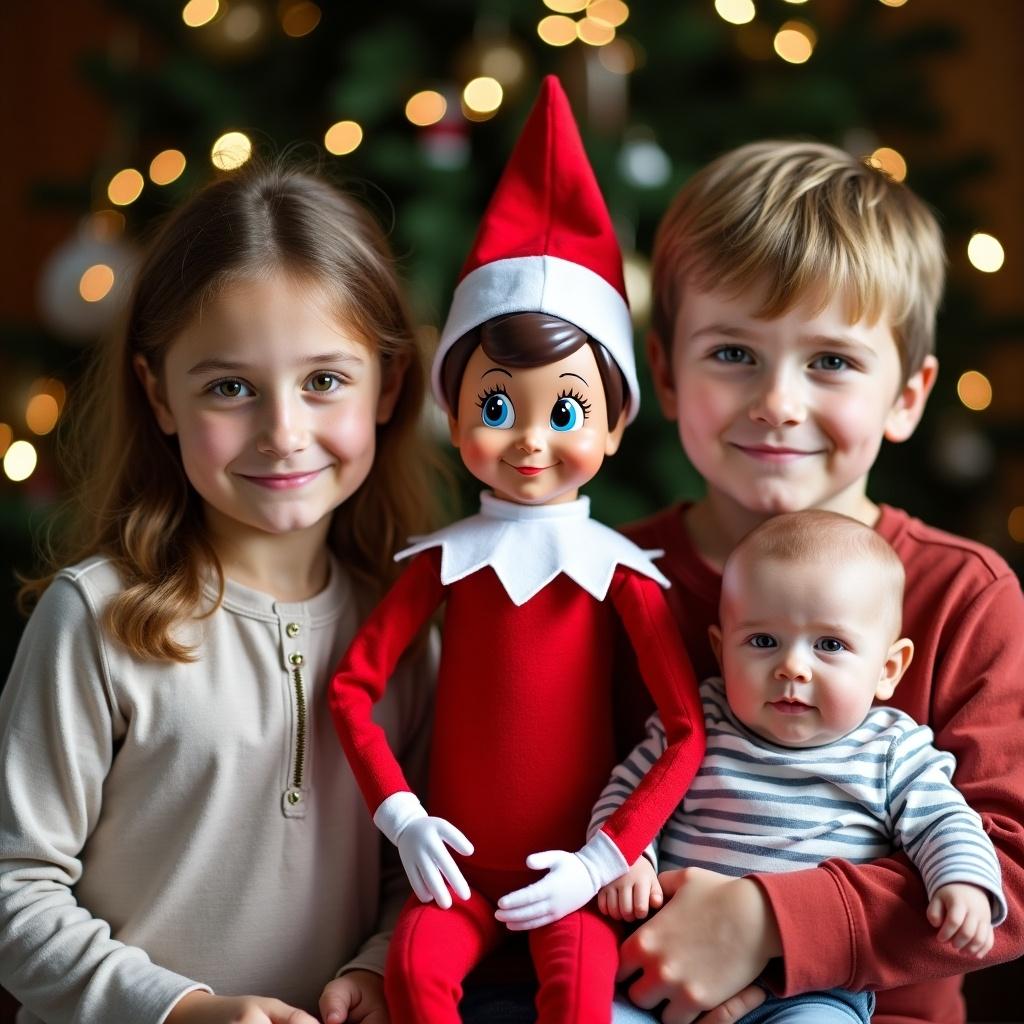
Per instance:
{"type": "Point", "coordinates": [80, 589]}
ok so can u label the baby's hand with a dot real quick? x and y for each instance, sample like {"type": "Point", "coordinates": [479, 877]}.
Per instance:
{"type": "Point", "coordinates": [964, 913]}
{"type": "Point", "coordinates": [355, 996]}
{"type": "Point", "coordinates": [204, 1008]}
{"type": "Point", "coordinates": [633, 895]}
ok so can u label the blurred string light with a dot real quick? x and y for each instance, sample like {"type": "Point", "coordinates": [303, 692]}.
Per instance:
{"type": "Point", "coordinates": [566, 6]}
{"type": "Point", "coordinates": [894, 3]}
{"type": "Point", "coordinates": [611, 12]}
{"type": "Point", "coordinates": [503, 63]}
{"type": "Point", "coordinates": [200, 12]}
{"type": "Point", "coordinates": [242, 23]}
{"type": "Point", "coordinates": [886, 159]}
{"type": "Point", "coordinates": [166, 167]}
{"type": "Point", "coordinates": [985, 253]}
{"type": "Point", "coordinates": [230, 151]}
{"type": "Point", "coordinates": [974, 390]}
{"type": "Point", "coordinates": [95, 284]}
{"type": "Point", "coordinates": [1014, 524]}
{"type": "Point", "coordinates": [53, 387]}
{"type": "Point", "coordinates": [481, 98]}
{"type": "Point", "coordinates": [343, 137]}
{"type": "Point", "coordinates": [426, 108]}
{"type": "Point", "coordinates": [736, 12]}
{"type": "Point", "coordinates": [6, 437]}
{"type": "Point", "coordinates": [41, 414]}
{"type": "Point", "coordinates": [795, 42]}
{"type": "Point", "coordinates": [20, 461]}
{"type": "Point", "coordinates": [125, 187]}
{"type": "Point", "coordinates": [557, 30]}
{"type": "Point", "coordinates": [594, 32]}
{"type": "Point", "coordinates": [796, 1]}
{"type": "Point", "coordinates": [105, 225]}
{"type": "Point", "coordinates": [298, 17]}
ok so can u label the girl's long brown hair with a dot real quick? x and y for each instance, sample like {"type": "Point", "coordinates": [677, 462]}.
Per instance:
{"type": "Point", "coordinates": [131, 500]}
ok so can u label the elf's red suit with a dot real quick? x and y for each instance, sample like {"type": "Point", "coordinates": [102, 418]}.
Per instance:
{"type": "Point", "coordinates": [523, 744]}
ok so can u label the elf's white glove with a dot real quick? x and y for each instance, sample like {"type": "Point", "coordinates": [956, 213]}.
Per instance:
{"type": "Point", "coordinates": [572, 881]}
{"type": "Point", "coordinates": [421, 845]}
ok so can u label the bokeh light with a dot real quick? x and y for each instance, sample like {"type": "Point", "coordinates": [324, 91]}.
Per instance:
{"type": "Point", "coordinates": [894, 3]}
{"type": "Point", "coordinates": [483, 95]}
{"type": "Point", "coordinates": [20, 461]}
{"type": "Point", "coordinates": [243, 21]}
{"type": "Point", "coordinates": [557, 30]}
{"type": "Point", "coordinates": [299, 18]}
{"type": "Point", "coordinates": [96, 282]}
{"type": "Point", "coordinates": [985, 253]}
{"type": "Point", "coordinates": [619, 57]}
{"type": "Point", "coordinates": [230, 151]}
{"type": "Point", "coordinates": [595, 33]}
{"type": "Point", "coordinates": [105, 225]}
{"type": "Point", "coordinates": [343, 137]}
{"type": "Point", "coordinates": [566, 6]}
{"type": "Point", "coordinates": [888, 160]}
{"type": "Point", "coordinates": [427, 107]}
{"type": "Point", "coordinates": [200, 12]}
{"type": "Point", "coordinates": [125, 187]}
{"type": "Point", "coordinates": [736, 12]}
{"type": "Point", "coordinates": [6, 437]}
{"type": "Point", "coordinates": [41, 414]}
{"type": "Point", "coordinates": [974, 390]}
{"type": "Point", "coordinates": [612, 12]}
{"type": "Point", "coordinates": [1015, 522]}
{"type": "Point", "coordinates": [166, 167]}
{"type": "Point", "coordinates": [795, 41]}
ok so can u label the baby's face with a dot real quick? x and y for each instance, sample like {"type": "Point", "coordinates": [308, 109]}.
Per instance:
{"type": "Point", "coordinates": [804, 647]}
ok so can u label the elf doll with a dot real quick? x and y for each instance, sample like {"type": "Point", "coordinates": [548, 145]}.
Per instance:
{"type": "Point", "coordinates": [535, 369]}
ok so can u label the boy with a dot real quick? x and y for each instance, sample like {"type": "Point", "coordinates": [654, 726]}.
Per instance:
{"type": "Point", "coordinates": [796, 290]}
{"type": "Point", "coordinates": [800, 767]}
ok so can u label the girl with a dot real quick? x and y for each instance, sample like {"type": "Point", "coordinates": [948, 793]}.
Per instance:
{"type": "Point", "coordinates": [180, 830]}
{"type": "Point", "coordinates": [535, 369]}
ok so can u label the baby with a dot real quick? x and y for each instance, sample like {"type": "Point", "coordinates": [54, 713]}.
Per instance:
{"type": "Point", "coordinates": [800, 767]}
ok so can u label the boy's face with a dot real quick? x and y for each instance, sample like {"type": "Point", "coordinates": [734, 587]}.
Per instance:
{"type": "Point", "coordinates": [534, 435]}
{"type": "Point", "coordinates": [785, 414]}
{"type": "Point", "coordinates": [805, 647]}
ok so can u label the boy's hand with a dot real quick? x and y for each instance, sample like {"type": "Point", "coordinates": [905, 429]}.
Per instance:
{"type": "Point", "coordinates": [355, 996]}
{"type": "Point", "coordinates": [963, 915]}
{"type": "Point", "coordinates": [712, 938]}
{"type": "Point", "coordinates": [204, 1008]}
{"type": "Point", "coordinates": [632, 896]}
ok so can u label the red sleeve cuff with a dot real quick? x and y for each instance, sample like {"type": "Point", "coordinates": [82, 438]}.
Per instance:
{"type": "Point", "coordinates": [813, 958]}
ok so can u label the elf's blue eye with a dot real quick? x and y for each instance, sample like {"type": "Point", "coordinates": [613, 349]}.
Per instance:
{"type": "Point", "coordinates": [567, 414]}
{"type": "Point", "coordinates": [496, 411]}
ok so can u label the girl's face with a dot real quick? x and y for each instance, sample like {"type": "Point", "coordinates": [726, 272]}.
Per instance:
{"type": "Point", "coordinates": [275, 406]}
{"type": "Point", "coordinates": [535, 435]}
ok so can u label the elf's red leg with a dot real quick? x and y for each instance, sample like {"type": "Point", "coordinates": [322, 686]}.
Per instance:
{"type": "Point", "coordinates": [576, 960]}
{"type": "Point", "coordinates": [431, 952]}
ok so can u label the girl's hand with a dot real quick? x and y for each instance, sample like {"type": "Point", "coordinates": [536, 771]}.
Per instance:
{"type": "Point", "coordinates": [355, 996]}
{"type": "Point", "coordinates": [632, 896]}
{"type": "Point", "coordinates": [963, 915]}
{"type": "Point", "coordinates": [712, 938]}
{"type": "Point", "coordinates": [204, 1008]}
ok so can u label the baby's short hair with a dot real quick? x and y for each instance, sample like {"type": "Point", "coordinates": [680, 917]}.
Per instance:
{"type": "Point", "coordinates": [830, 539]}
{"type": "Point", "coordinates": [809, 221]}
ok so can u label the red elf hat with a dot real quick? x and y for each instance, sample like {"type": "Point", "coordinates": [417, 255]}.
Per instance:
{"type": "Point", "coordinates": [546, 245]}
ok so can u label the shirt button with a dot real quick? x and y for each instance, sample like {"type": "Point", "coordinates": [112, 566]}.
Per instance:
{"type": "Point", "coordinates": [292, 629]}
{"type": "Point", "coordinates": [296, 659]}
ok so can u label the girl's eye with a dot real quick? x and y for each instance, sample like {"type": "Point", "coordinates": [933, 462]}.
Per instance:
{"type": "Point", "coordinates": [230, 389]}
{"type": "Point", "coordinates": [762, 641]}
{"type": "Point", "coordinates": [568, 413]}
{"type": "Point", "coordinates": [324, 383]}
{"type": "Point", "coordinates": [732, 354]}
{"type": "Point", "coordinates": [496, 410]}
{"type": "Point", "coordinates": [830, 645]}
{"type": "Point", "coordinates": [832, 363]}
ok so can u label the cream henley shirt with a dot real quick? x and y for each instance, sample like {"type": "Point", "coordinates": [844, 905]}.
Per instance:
{"type": "Point", "coordinates": [166, 826]}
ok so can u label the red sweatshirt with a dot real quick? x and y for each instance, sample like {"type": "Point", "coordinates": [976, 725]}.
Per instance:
{"type": "Point", "coordinates": [864, 926]}
{"type": "Point", "coordinates": [523, 723]}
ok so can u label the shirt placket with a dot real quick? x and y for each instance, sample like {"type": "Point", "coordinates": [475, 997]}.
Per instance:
{"type": "Point", "coordinates": [294, 634]}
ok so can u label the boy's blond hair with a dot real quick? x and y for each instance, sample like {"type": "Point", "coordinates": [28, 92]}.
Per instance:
{"type": "Point", "coordinates": [809, 221]}
{"type": "Point", "coordinates": [830, 540]}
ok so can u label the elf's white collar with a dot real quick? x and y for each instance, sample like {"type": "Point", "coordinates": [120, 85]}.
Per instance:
{"type": "Point", "coordinates": [529, 545]}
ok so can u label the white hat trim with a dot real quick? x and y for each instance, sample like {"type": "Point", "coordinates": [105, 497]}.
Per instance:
{"type": "Point", "coordinates": [543, 284]}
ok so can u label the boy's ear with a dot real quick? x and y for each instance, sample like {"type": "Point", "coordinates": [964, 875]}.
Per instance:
{"type": "Point", "coordinates": [614, 439]}
{"type": "Point", "coordinates": [897, 661]}
{"type": "Point", "coordinates": [392, 378]}
{"type": "Point", "coordinates": [906, 411]}
{"type": "Point", "coordinates": [659, 358]}
{"type": "Point", "coordinates": [715, 636]}
{"type": "Point", "coordinates": [154, 395]}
